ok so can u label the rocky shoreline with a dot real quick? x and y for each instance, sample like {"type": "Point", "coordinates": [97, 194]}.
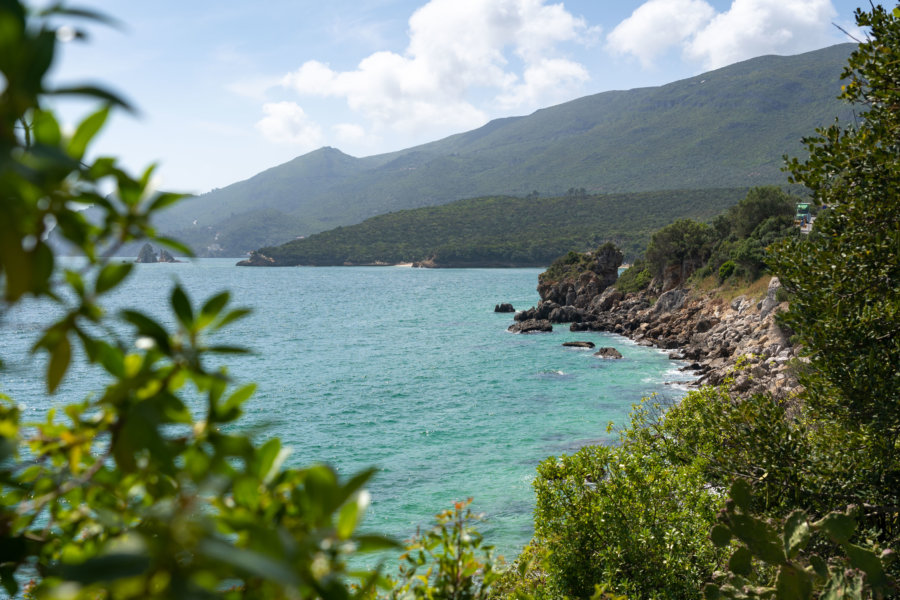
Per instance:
{"type": "Point", "coordinates": [737, 342]}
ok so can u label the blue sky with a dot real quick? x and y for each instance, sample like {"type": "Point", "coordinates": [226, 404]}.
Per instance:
{"type": "Point", "coordinates": [231, 88]}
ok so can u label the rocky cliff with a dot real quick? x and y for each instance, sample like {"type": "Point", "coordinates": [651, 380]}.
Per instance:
{"type": "Point", "coordinates": [737, 341]}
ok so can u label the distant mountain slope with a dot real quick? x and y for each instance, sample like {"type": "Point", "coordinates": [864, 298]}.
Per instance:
{"type": "Point", "coordinates": [504, 231]}
{"type": "Point", "coordinates": [725, 128]}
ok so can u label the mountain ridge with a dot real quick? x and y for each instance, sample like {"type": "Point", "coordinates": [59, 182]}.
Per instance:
{"type": "Point", "coordinates": [725, 128]}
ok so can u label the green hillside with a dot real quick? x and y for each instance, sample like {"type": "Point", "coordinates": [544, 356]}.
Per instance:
{"type": "Point", "coordinates": [725, 128]}
{"type": "Point", "coordinates": [505, 231]}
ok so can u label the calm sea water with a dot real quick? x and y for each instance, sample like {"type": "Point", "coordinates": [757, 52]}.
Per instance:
{"type": "Point", "coordinates": [408, 370]}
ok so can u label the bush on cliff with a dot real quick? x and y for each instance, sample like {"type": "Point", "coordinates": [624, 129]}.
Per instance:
{"type": "Point", "coordinates": [740, 236]}
{"type": "Point", "coordinates": [683, 246]}
{"type": "Point", "coordinates": [635, 278]}
{"type": "Point", "coordinates": [572, 264]}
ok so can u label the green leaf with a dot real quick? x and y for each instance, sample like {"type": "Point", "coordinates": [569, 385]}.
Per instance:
{"type": "Point", "coordinates": [741, 494]}
{"type": "Point", "coordinates": [720, 535]}
{"type": "Point", "coordinates": [163, 200]}
{"type": "Point", "coordinates": [212, 308]}
{"type": "Point", "coordinates": [796, 533]}
{"type": "Point", "coordinates": [868, 562]}
{"type": "Point", "coordinates": [838, 526]}
{"type": "Point", "coordinates": [8, 581]}
{"type": "Point", "coordinates": [762, 541]}
{"type": "Point", "coordinates": [711, 592]}
{"type": "Point", "coordinates": [819, 566]}
{"type": "Point", "coordinates": [148, 327]}
{"type": "Point", "coordinates": [238, 313]}
{"type": "Point", "coordinates": [741, 562]}
{"type": "Point", "coordinates": [246, 561]}
{"type": "Point", "coordinates": [46, 128]}
{"type": "Point", "coordinates": [60, 356]}
{"type": "Point", "coordinates": [182, 307]}
{"type": "Point", "coordinates": [793, 584]}
{"type": "Point", "coordinates": [112, 275]}
{"type": "Point", "coordinates": [270, 459]}
{"type": "Point", "coordinates": [73, 278]}
{"type": "Point", "coordinates": [59, 9]}
{"type": "Point", "coordinates": [348, 517]}
{"type": "Point", "coordinates": [174, 245]}
{"type": "Point", "coordinates": [246, 492]}
{"type": "Point", "coordinates": [356, 483]}
{"type": "Point", "coordinates": [92, 92]}
{"type": "Point", "coordinates": [223, 349]}
{"type": "Point", "coordinates": [106, 568]}
{"type": "Point", "coordinates": [86, 132]}
{"type": "Point", "coordinates": [230, 409]}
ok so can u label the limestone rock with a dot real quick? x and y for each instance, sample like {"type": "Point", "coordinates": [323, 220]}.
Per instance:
{"type": "Point", "coordinates": [504, 308]}
{"type": "Point", "coordinates": [607, 352]}
{"type": "Point", "coordinates": [669, 301]}
{"type": "Point", "coordinates": [165, 257]}
{"type": "Point", "coordinates": [767, 304]}
{"type": "Point", "coordinates": [578, 344]}
{"type": "Point", "coordinates": [531, 326]}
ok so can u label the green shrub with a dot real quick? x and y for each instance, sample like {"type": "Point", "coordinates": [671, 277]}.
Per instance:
{"type": "Point", "coordinates": [726, 270]}
{"type": "Point", "coordinates": [635, 278]}
{"type": "Point", "coordinates": [625, 516]}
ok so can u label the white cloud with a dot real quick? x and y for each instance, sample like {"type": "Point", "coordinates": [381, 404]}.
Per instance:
{"type": "Point", "coordinates": [548, 78]}
{"type": "Point", "coordinates": [255, 88]}
{"type": "Point", "coordinates": [748, 28]}
{"type": "Point", "coordinates": [286, 122]}
{"type": "Point", "coordinates": [459, 53]}
{"type": "Point", "coordinates": [350, 133]}
{"type": "Point", "coordinates": [658, 25]}
{"type": "Point", "coordinates": [755, 27]}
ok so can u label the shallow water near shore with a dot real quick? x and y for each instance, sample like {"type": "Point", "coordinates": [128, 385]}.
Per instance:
{"type": "Point", "coordinates": [407, 370]}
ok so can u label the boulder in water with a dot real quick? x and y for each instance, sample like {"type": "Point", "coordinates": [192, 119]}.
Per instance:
{"type": "Point", "coordinates": [607, 352]}
{"type": "Point", "coordinates": [504, 308]}
{"type": "Point", "coordinates": [531, 326]}
{"type": "Point", "coordinates": [578, 344]}
{"type": "Point", "coordinates": [165, 257]}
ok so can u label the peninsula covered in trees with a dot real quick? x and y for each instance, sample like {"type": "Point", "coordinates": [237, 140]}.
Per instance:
{"type": "Point", "coordinates": [502, 231]}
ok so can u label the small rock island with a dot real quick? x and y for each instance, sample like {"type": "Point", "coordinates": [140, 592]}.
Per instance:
{"type": "Point", "coordinates": [149, 255]}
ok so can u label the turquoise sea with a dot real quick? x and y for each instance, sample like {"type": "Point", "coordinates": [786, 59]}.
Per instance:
{"type": "Point", "coordinates": [409, 370]}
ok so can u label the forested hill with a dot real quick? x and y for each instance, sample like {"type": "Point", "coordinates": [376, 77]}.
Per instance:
{"type": "Point", "coordinates": [503, 231]}
{"type": "Point", "coordinates": [725, 128]}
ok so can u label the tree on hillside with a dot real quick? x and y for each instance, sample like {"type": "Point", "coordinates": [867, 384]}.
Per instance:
{"type": "Point", "coordinates": [758, 205]}
{"type": "Point", "coordinates": [845, 277]}
{"type": "Point", "coordinates": [683, 245]}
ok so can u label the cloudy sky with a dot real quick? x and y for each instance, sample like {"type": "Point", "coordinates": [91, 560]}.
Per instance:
{"type": "Point", "coordinates": [230, 88]}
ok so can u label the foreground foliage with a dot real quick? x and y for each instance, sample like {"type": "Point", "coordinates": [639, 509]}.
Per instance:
{"type": "Point", "coordinates": [853, 572]}
{"type": "Point", "coordinates": [146, 490]}
{"type": "Point", "coordinates": [137, 491]}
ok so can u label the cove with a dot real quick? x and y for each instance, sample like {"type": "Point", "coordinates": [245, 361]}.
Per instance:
{"type": "Point", "coordinates": [407, 370]}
